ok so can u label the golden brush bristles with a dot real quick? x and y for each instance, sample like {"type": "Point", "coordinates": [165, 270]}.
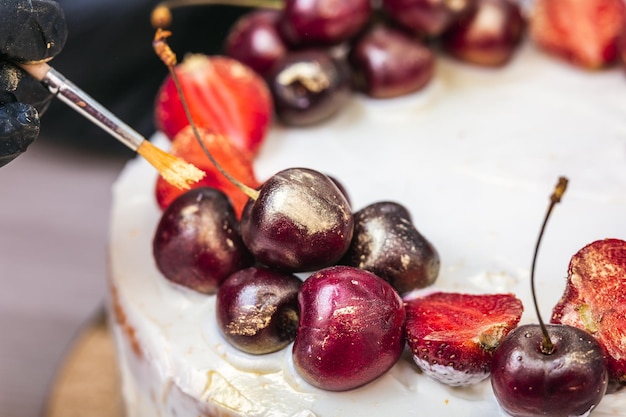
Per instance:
{"type": "Point", "coordinates": [162, 49]}
{"type": "Point", "coordinates": [173, 170]}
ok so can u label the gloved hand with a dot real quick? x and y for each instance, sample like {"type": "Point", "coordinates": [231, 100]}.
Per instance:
{"type": "Point", "coordinates": [30, 31]}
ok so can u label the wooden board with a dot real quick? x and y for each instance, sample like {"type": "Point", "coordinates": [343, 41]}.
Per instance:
{"type": "Point", "coordinates": [87, 382]}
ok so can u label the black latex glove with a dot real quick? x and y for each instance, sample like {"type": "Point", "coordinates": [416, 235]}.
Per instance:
{"type": "Point", "coordinates": [30, 31]}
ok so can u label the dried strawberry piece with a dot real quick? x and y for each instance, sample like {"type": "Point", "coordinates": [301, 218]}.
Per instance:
{"type": "Point", "coordinates": [584, 32]}
{"type": "Point", "coordinates": [452, 336]}
{"type": "Point", "coordinates": [223, 95]}
{"type": "Point", "coordinates": [185, 146]}
{"type": "Point", "coordinates": [595, 300]}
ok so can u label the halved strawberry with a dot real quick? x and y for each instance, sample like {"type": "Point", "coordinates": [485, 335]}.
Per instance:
{"type": "Point", "coordinates": [452, 336]}
{"type": "Point", "coordinates": [223, 95]}
{"type": "Point", "coordinates": [584, 32]}
{"type": "Point", "coordinates": [185, 146]}
{"type": "Point", "coordinates": [595, 300]}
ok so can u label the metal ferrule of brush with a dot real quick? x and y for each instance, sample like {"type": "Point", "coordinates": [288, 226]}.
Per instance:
{"type": "Point", "coordinates": [80, 101]}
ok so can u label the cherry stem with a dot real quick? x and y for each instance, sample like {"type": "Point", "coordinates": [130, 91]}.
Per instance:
{"type": "Point", "coordinates": [162, 16]}
{"type": "Point", "coordinates": [168, 57]}
{"type": "Point", "coordinates": [547, 347]}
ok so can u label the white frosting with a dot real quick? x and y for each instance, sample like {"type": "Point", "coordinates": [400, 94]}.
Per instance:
{"type": "Point", "coordinates": [447, 374]}
{"type": "Point", "coordinates": [474, 158]}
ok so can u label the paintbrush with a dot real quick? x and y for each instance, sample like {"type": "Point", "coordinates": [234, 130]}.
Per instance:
{"type": "Point", "coordinates": [174, 170]}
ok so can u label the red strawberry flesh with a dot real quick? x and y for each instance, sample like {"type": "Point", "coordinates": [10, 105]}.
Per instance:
{"type": "Point", "coordinates": [595, 300]}
{"type": "Point", "coordinates": [223, 95]}
{"type": "Point", "coordinates": [452, 336]}
{"type": "Point", "coordinates": [584, 32]}
{"type": "Point", "coordinates": [186, 146]}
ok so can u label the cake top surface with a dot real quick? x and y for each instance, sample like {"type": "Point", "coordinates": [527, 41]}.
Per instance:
{"type": "Point", "coordinates": [474, 158]}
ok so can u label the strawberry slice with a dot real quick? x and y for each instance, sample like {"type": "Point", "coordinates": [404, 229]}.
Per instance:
{"type": "Point", "coordinates": [584, 32]}
{"type": "Point", "coordinates": [185, 146]}
{"type": "Point", "coordinates": [452, 336]}
{"type": "Point", "coordinates": [223, 95]}
{"type": "Point", "coordinates": [595, 300]}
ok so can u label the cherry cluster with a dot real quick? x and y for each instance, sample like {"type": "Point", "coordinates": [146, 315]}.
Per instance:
{"type": "Point", "coordinates": [347, 320]}
{"type": "Point", "coordinates": [314, 53]}
{"type": "Point", "coordinates": [350, 325]}
{"type": "Point", "coordinates": [300, 221]}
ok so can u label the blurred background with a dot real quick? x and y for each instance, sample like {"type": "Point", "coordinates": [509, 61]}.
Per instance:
{"type": "Point", "coordinates": [55, 198]}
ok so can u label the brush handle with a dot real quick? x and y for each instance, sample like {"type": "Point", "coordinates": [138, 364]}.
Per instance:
{"type": "Point", "coordinates": [80, 101]}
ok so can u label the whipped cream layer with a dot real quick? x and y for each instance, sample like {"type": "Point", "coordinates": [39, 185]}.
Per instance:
{"type": "Point", "coordinates": [474, 158]}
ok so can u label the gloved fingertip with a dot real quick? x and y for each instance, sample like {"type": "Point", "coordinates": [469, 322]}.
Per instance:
{"type": "Point", "coordinates": [5, 159]}
{"type": "Point", "coordinates": [19, 127]}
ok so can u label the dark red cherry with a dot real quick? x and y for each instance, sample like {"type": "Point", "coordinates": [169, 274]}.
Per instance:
{"type": "Point", "coordinates": [426, 17]}
{"type": "Point", "coordinates": [197, 242]}
{"type": "Point", "coordinates": [257, 310]}
{"type": "Point", "coordinates": [489, 35]}
{"type": "Point", "coordinates": [254, 40]}
{"type": "Point", "coordinates": [568, 382]}
{"type": "Point", "coordinates": [323, 22]}
{"type": "Point", "coordinates": [388, 63]}
{"type": "Point", "coordinates": [341, 187]}
{"type": "Point", "coordinates": [309, 87]}
{"type": "Point", "coordinates": [390, 208]}
{"type": "Point", "coordinates": [300, 222]}
{"type": "Point", "coordinates": [549, 370]}
{"type": "Point", "coordinates": [351, 328]}
{"type": "Point", "coordinates": [386, 242]}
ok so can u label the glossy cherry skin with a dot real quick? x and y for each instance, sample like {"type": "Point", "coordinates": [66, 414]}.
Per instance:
{"type": "Point", "coordinates": [300, 222]}
{"type": "Point", "coordinates": [487, 36]}
{"type": "Point", "coordinates": [341, 188]}
{"type": "Point", "coordinates": [323, 22]}
{"type": "Point", "coordinates": [386, 242]}
{"type": "Point", "coordinates": [197, 242]}
{"type": "Point", "coordinates": [388, 63]}
{"type": "Point", "coordinates": [351, 328]}
{"type": "Point", "coordinates": [257, 309]}
{"type": "Point", "coordinates": [428, 18]}
{"type": "Point", "coordinates": [254, 40]}
{"type": "Point", "coordinates": [309, 87]}
{"type": "Point", "coordinates": [571, 381]}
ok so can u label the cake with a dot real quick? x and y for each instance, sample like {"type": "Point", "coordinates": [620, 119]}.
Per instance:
{"type": "Point", "coordinates": [473, 157]}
